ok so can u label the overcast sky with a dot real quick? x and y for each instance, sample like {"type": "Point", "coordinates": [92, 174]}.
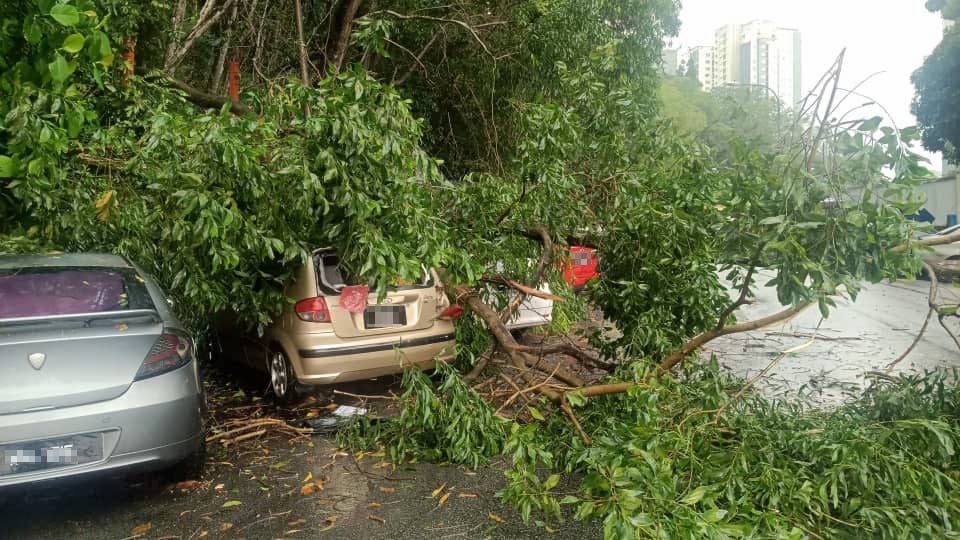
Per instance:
{"type": "Point", "coordinates": [889, 36]}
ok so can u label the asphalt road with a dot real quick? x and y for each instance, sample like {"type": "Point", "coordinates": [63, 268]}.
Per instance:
{"type": "Point", "coordinates": [256, 489]}
{"type": "Point", "coordinates": [857, 338]}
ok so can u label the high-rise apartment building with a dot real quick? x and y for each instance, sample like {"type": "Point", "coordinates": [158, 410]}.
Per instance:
{"type": "Point", "coordinates": [759, 53]}
{"type": "Point", "coordinates": [702, 57]}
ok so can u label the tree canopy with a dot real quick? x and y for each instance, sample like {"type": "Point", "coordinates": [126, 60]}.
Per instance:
{"type": "Point", "coordinates": [937, 98]}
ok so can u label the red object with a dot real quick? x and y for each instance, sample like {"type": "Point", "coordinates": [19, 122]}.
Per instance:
{"type": "Point", "coordinates": [169, 352]}
{"type": "Point", "coordinates": [233, 78]}
{"type": "Point", "coordinates": [354, 299]}
{"type": "Point", "coordinates": [451, 313]}
{"type": "Point", "coordinates": [130, 59]}
{"type": "Point", "coordinates": [313, 310]}
{"type": "Point", "coordinates": [582, 266]}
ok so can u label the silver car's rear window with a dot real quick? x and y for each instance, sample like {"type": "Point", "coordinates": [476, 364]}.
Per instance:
{"type": "Point", "coordinates": [45, 291]}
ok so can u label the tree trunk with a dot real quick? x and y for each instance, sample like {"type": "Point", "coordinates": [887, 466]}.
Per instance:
{"type": "Point", "coordinates": [302, 46]}
{"type": "Point", "coordinates": [217, 80]}
{"type": "Point", "coordinates": [177, 26]}
{"type": "Point", "coordinates": [339, 51]}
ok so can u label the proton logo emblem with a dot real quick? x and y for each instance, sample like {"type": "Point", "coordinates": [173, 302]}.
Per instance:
{"type": "Point", "coordinates": [37, 360]}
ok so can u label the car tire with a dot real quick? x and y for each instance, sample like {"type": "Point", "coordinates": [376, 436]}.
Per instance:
{"type": "Point", "coordinates": [283, 379]}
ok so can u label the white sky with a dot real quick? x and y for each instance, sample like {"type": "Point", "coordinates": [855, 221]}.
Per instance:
{"type": "Point", "coordinates": [892, 36]}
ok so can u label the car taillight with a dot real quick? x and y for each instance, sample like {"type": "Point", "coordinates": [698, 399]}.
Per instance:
{"type": "Point", "coordinates": [451, 313]}
{"type": "Point", "coordinates": [172, 350]}
{"type": "Point", "coordinates": [313, 310]}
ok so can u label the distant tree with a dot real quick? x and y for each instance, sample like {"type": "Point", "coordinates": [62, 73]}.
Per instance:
{"type": "Point", "coordinates": [692, 69]}
{"type": "Point", "coordinates": [937, 100]}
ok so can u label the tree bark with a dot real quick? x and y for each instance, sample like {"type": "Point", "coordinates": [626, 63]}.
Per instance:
{"type": "Point", "coordinates": [343, 35]}
{"type": "Point", "coordinates": [208, 16]}
{"type": "Point", "coordinates": [302, 46]}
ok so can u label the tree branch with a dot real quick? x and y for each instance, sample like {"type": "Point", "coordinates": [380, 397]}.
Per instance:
{"type": "Point", "coordinates": [203, 99]}
{"type": "Point", "coordinates": [473, 33]}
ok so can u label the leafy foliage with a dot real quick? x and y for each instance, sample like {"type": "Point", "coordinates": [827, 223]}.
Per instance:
{"type": "Point", "coordinates": [938, 96]}
{"type": "Point", "coordinates": [449, 423]}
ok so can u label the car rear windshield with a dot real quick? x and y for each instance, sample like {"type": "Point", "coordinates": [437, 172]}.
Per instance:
{"type": "Point", "coordinates": [43, 292]}
{"type": "Point", "coordinates": [333, 277]}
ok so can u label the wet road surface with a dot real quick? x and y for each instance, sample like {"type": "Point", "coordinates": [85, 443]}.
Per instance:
{"type": "Point", "coordinates": [857, 338]}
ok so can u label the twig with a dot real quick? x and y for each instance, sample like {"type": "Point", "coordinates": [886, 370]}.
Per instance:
{"type": "Point", "coordinates": [776, 360]}
{"type": "Point", "coordinates": [520, 392]}
{"type": "Point", "coordinates": [362, 396]}
{"type": "Point", "coordinates": [573, 418]}
{"type": "Point", "coordinates": [252, 435]}
{"type": "Point", "coordinates": [460, 23]}
{"type": "Point", "coordinates": [932, 303]}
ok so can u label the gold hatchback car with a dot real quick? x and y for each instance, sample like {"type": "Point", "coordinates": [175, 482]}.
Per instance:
{"type": "Point", "coordinates": [318, 341]}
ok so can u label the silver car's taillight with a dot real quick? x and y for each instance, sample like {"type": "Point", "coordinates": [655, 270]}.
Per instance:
{"type": "Point", "coordinates": [173, 349]}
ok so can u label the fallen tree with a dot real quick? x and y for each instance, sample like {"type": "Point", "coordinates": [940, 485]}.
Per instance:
{"type": "Point", "coordinates": [547, 122]}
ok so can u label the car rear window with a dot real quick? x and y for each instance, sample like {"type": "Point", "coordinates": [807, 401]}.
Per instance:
{"type": "Point", "coordinates": [333, 277]}
{"type": "Point", "coordinates": [42, 292]}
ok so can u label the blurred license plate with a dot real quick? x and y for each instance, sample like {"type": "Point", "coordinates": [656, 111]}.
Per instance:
{"type": "Point", "coordinates": [384, 316]}
{"type": "Point", "coordinates": [51, 453]}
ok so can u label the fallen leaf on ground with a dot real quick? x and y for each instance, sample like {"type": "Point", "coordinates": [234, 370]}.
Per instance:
{"type": "Point", "coordinates": [330, 521]}
{"type": "Point", "coordinates": [374, 505]}
{"type": "Point", "coordinates": [387, 490]}
{"type": "Point", "coordinates": [292, 531]}
{"type": "Point", "coordinates": [141, 529]}
{"type": "Point", "coordinates": [377, 519]}
{"type": "Point", "coordinates": [229, 504]}
{"type": "Point", "coordinates": [468, 495]}
{"type": "Point", "coordinates": [310, 489]}
{"type": "Point", "coordinates": [437, 491]}
{"type": "Point", "coordinates": [187, 485]}
{"type": "Point", "coordinates": [295, 523]}
{"type": "Point", "coordinates": [443, 500]}
{"type": "Point", "coordinates": [313, 413]}
{"type": "Point", "coordinates": [549, 529]}
{"type": "Point", "coordinates": [122, 327]}
{"type": "Point", "coordinates": [219, 487]}
{"type": "Point", "coordinates": [323, 501]}
{"type": "Point", "coordinates": [203, 534]}
{"type": "Point", "coordinates": [224, 527]}
{"type": "Point", "coordinates": [309, 478]}
{"type": "Point", "coordinates": [495, 517]}
{"type": "Point", "coordinates": [335, 455]}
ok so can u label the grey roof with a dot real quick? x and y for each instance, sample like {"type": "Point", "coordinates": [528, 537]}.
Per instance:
{"type": "Point", "coordinates": [63, 259]}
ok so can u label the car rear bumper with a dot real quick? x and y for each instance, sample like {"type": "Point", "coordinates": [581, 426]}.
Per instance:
{"type": "Point", "coordinates": [154, 424]}
{"type": "Point", "coordinates": [319, 363]}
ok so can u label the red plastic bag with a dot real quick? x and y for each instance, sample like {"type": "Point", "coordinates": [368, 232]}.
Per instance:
{"type": "Point", "coordinates": [354, 299]}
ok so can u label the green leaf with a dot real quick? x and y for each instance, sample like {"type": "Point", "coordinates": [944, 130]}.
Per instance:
{"type": "Point", "coordinates": [694, 496]}
{"type": "Point", "coordinates": [871, 124]}
{"type": "Point", "coordinates": [536, 414]}
{"type": "Point", "coordinates": [576, 399]}
{"type": "Point", "coordinates": [73, 44]}
{"type": "Point", "coordinates": [229, 504]}
{"type": "Point", "coordinates": [65, 14]}
{"type": "Point", "coordinates": [774, 220]}
{"type": "Point", "coordinates": [60, 70]}
{"type": "Point", "coordinates": [32, 32]}
{"type": "Point", "coordinates": [551, 482]}
{"type": "Point", "coordinates": [8, 167]}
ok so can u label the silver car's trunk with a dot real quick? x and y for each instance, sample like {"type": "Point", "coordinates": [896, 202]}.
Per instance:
{"type": "Point", "coordinates": [62, 363]}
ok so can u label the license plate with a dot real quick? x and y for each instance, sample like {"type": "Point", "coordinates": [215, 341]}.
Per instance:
{"type": "Point", "coordinates": [384, 316]}
{"type": "Point", "coordinates": [40, 455]}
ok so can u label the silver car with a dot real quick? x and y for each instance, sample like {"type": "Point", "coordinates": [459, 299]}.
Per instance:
{"type": "Point", "coordinates": [96, 374]}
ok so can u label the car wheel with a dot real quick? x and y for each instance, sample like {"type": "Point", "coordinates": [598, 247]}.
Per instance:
{"type": "Point", "coordinates": [283, 380]}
